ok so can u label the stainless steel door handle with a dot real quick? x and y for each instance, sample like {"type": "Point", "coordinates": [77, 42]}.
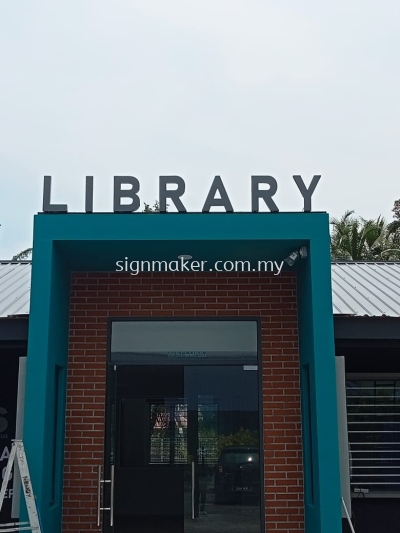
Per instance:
{"type": "Point", "coordinates": [99, 496]}
{"type": "Point", "coordinates": [193, 480]}
{"type": "Point", "coordinates": [112, 496]}
{"type": "Point", "coordinates": [100, 483]}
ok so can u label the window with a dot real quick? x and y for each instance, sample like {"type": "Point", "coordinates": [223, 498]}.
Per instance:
{"type": "Point", "coordinates": [373, 414]}
{"type": "Point", "coordinates": [168, 433]}
{"type": "Point", "coordinates": [145, 342]}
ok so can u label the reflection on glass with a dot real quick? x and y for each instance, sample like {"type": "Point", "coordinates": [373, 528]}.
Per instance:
{"type": "Point", "coordinates": [188, 456]}
{"type": "Point", "coordinates": [227, 457]}
{"type": "Point", "coordinates": [180, 433]}
{"type": "Point", "coordinates": [168, 433]}
{"type": "Point", "coordinates": [160, 438]}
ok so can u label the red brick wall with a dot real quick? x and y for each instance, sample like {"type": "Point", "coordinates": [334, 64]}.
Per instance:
{"type": "Point", "coordinates": [95, 296]}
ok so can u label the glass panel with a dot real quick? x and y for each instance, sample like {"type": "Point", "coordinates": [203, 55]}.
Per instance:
{"type": "Point", "coordinates": [168, 432]}
{"type": "Point", "coordinates": [180, 433]}
{"type": "Point", "coordinates": [239, 456]}
{"type": "Point", "coordinates": [160, 434]}
{"type": "Point", "coordinates": [175, 342]}
{"type": "Point", "coordinates": [187, 450]}
{"type": "Point", "coordinates": [224, 491]}
{"type": "Point", "coordinates": [208, 430]}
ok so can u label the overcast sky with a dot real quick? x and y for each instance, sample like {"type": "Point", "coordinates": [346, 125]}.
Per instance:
{"type": "Point", "coordinates": [198, 89]}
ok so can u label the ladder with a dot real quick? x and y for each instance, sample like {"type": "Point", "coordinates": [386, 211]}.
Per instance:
{"type": "Point", "coordinates": [17, 454]}
{"type": "Point", "coordinates": [347, 516]}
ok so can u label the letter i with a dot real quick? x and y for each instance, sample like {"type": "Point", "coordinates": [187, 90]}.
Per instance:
{"type": "Point", "coordinates": [89, 194]}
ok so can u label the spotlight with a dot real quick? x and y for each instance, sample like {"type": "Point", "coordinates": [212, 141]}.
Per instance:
{"type": "Point", "coordinates": [292, 258]}
{"type": "Point", "coordinates": [303, 252]}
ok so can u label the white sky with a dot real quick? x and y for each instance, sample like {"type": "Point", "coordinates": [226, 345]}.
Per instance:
{"type": "Point", "coordinates": [198, 89]}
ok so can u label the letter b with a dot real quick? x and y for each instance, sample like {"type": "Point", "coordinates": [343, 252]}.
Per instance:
{"type": "Point", "coordinates": [131, 193]}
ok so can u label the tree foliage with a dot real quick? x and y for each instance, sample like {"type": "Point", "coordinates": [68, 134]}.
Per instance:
{"type": "Point", "coordinates": [358, 239]}
{"type": "Point", "coordinates": [243, 437]}
{"type": "Point", "coordinates": [154, 209]}
{"type": "Point", "coordinates": [25, 254]}
{"type": "Point", "coordinates": [396, 210]}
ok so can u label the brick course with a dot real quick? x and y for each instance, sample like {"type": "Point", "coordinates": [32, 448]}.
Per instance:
{"type": "Point", "coordinates": [97, 296]}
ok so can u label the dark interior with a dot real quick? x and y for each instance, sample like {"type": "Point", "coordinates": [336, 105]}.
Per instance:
{"type": "Point", "coordinates": [371, 514]}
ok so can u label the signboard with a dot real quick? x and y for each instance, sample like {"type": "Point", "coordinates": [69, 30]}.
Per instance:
{"type": "Point", "coordinates": [9, 365]}
{"type": "Point", "coordinates": [172, 188]}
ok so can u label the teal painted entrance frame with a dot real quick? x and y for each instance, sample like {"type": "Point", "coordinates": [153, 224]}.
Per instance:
{"type": "Point", "coordinates": [64, 243]}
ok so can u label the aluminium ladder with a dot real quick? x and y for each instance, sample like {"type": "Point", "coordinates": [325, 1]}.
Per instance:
{"type": "Point", "coordinates": [18, 455]}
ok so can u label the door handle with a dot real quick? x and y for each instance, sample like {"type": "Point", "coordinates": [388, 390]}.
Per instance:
{"type": "Point", "coordinates": [100, 483]}
{"type": "Point", "coordinates": [112, 495]}
{"type": "Point", "coordinates": [193, 480]}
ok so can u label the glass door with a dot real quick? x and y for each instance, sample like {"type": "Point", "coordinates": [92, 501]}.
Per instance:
{"type": "Point", "coordinates": [224, 450]}
{"type": "Point", "coordinates": [145, 452]}
{"type": "Point", "coordinates": [182, 453]}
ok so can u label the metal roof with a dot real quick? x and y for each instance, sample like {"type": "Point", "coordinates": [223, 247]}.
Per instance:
{"type": "Point", "coordinates": [358, 288]}
{"type": "Point", "coordinates": [15, 287]}
{"type": "Point", "coordinates": [366, 288]}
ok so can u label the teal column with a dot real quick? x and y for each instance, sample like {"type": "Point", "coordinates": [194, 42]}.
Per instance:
{"type": "Point", "coordinates": [318, 390]}
{"type": "Point", "coordinates": [46, 380]}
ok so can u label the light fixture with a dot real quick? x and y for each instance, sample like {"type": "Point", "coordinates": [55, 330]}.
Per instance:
{"type": "Point", "coordinates": [292, 258]}
{"type": "Point", "coordinates": [303, 252]}
{"type": "Point", "coordinates": [185, 256]}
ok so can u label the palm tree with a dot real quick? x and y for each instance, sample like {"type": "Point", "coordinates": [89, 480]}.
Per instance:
{"type": "Point", "coordinates": [394, 226]}
{"type": "Point", "coordinates": [396, 209]}
{"type": "Point", "coordinates": [358, 239]}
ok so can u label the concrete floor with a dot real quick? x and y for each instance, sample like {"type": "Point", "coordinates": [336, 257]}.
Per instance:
{"type": "Point", "coordinates": [219, 519]}
{"type": "Point", "coordinates": [226, 519]}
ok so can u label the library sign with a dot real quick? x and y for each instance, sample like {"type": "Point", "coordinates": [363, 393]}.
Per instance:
{"type": "Point", "coordinates": [172, 188]}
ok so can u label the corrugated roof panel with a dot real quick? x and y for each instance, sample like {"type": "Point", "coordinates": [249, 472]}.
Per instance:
{"type": "Point", "coordinates": [358, 288]}
{"type": "Point", "coordinates": [364, 288]}
{"type": "Point", "coordinates": [15, 288]}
